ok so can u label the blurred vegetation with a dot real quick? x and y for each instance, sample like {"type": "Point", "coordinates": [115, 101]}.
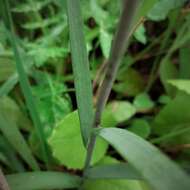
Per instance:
{"type": "Point", "coordinates": [150, 97]}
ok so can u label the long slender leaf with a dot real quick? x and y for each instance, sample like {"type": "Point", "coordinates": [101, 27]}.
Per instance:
{"type": "Point", "coordinates": [42, 180]}
{"type": "Point", "coordinates": [80, 68]}
{"type": "Point", "coordinates": [24, 82]}
{"type": "Point", "coordinates": [113, 171]}
{"type": "Point", "coordinates": [160, 172]}
{"type": "Point", "coordinates": [13, 135]}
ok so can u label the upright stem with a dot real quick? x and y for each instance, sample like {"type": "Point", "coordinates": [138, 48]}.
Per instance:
{"type": "Point", "coordinates": [119, 46]}
{"type": "Point", "coordinates": [3, 182]}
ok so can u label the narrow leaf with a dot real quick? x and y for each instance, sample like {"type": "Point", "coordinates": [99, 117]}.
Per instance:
{"type": "Point", "coordinates": [13, 135]}
{"type": "Point", "coordinates": [155, 168]}
{"type": "Point", "coordinates": [42, 180]}
{"type": "Point", "coordinates": [24, 82]}
{"type": "Point", "coordinates": [80, 68]}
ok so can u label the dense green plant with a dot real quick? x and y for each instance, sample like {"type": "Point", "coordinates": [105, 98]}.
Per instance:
{"type": "Point", "coordinates": [137, 51]}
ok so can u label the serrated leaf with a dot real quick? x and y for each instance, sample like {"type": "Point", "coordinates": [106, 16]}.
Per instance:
{"type": "Point", "coordinates": [157, 170]}
{"type": "Point", "coordinates": [34, 6]}
{"type": "Point", "coordinates": [41, 24]}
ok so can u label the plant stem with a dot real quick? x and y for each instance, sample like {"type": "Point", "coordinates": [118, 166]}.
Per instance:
{"type": "Point", "coordinates": [3, 182]}
{"type": "Point", "coordinates": [118, 49]}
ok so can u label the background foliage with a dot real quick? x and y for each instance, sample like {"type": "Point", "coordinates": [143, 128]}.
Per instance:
{"type": "Point", "coordinates": [150, 96]}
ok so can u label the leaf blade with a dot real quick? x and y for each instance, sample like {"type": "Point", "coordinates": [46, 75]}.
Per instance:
{"type": "Point", "coordinates": [42, 180]}
{"type": "Point", "coordinates": [159, 171]}
{"type": "Point", "coordinates": [80, 68]}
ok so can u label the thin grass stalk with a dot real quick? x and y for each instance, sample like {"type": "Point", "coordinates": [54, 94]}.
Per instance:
{"type": "Point", "coordinates": [119, 46]}
{"type": "Point", "coordinates": [24, 82]}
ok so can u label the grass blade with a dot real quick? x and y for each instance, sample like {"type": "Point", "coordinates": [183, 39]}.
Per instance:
{"type": "Point", "coordinates": [80, 68]}
{"type": "Point", "coordinates": [13, 135]}
{"type": "Point", "coordinates": [42, 180]}
{"type": "Point", "coordinates": [24, 82]}
{"type": "Point", "coordinates": [13, 162]}
{"type": "Point", "coordinates": [155, 168]}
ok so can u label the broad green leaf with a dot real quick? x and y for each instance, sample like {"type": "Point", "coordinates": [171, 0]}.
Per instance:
{"type": "Point", "coordinates": [161, 9]}
{"type": "Point", "coordinates": [175, 116]}
{"type": "Point", "coordinates": [143, 102]}
{"type": "Point", "coordinates": [105, 42]}
{"type": "Point", "coordinates": [117, 112]}
{"type": "Point", "coordinates": [61, 142]}
{"type": "Point", "coordinates": [67, 146]}
{"type": "Point", "coordinates": [140, 34]}
{"type": "Point", "coordinates": [157, 169]}
{"type": "Point", "coordinates": [23, 78]}
{"type": "Point", "coordinates": [15, 138]}
{"type": "Point", "coordinates": [140, 127]}
{"type": "Point", "coordinates": [184, 65]}
{"type": "Point", "coordinates": [119, 183]}
{"type": "Point", "coordinates": [80, 68]}
{"type": "Point", "coordinates": [42, 180]}
{"type": "Point", "coordinates": [168, 71]}
{"type": "Point", "coordinates": [181, 84]}
{"type": "Point", "coordinates": [98, 13]}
